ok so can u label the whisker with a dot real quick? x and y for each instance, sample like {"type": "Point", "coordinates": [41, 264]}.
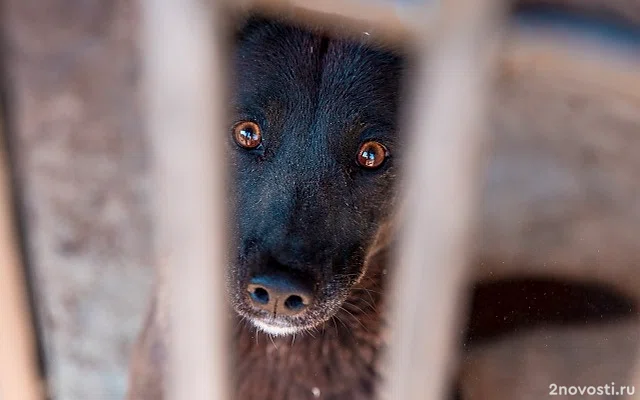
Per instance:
{"type": "Point", "coordinates": [342, 322]}
{"type": "Point", "coordinates": [349, 304]}
{"type": "Point", "coordinates": [354, 317]}
{"type": "Point", "coordinates": [370, 305]}
{"type": "Point", "coordinates": [345, 327]}
{"type": "Point", "coordinates": [244, 322]}
{"type": "Point", "coordinates": [370, 297]}
{"type": "Point", "coordinates": [367, 289]}
{"type": "Point", "coordinates": [324, 327]}
{"type": "Point", "coordinates": [272, 341]}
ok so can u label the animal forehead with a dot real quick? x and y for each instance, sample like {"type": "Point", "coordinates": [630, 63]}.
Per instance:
{"type": "Point", "coordinates": [291, 56]}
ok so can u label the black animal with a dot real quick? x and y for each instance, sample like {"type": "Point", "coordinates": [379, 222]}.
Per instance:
{"type": "Point", "coordinates": [313, 142]}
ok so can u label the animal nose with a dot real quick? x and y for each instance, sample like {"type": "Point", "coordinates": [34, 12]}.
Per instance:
{"type": "Point", "coordinates": [279, 294]}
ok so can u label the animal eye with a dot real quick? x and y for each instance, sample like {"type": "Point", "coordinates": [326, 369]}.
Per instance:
{"type": "Point", "coordinates": [247, 134]}
{"type": "Point", "coordinates": [372, 154]}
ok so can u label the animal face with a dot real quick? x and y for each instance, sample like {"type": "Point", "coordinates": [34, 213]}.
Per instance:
{"type": "Point", "coordinates": [314, 147]}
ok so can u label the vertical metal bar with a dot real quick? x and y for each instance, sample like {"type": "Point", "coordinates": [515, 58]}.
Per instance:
{"type": "Point", "coordinates": [442, 173]}
{"type": "Point", "coordinates": [19, 378]}
{"type": "Point", "coordinates": [184, 70]}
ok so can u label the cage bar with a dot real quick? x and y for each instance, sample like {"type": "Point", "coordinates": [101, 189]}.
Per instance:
{"type": "Point", "coordinates": [441, 191]}
{"type": "Point", "coordinates": [184, 70]}
{"type": "Point", "coordinates": [19, 378]}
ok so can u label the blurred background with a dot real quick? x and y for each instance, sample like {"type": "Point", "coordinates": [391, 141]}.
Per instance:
{"type": "Point", "coordinates": [73, 76]}
{"type": "Point", "coordinates": [562, 191]}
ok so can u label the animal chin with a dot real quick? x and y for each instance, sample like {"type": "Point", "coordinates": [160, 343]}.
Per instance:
{"type": "Point", "coordinates": [276, 330]}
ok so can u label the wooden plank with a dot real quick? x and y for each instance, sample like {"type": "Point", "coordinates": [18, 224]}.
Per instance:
{"type": "Point", "coordinates": [443, 171]}
{"type": "Point", "coordinates": [185, 107]}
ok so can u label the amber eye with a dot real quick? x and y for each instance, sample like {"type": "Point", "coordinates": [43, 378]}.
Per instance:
{"type": "Point", "coordinates": [371, 154]}
{"type": "Point", "coordinates": [247, 134]}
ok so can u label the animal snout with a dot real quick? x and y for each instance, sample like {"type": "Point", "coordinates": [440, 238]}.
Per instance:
{"type": "Point", "coordinates": [279, 294]}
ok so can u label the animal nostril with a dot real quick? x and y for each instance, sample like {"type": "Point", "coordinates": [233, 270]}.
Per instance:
{"type": "Point", "coordinates": [260, 295]}
{"type": "Point", "coordinates": [279, 294]}
{"type": "Point", "coordinates": [294, 302]}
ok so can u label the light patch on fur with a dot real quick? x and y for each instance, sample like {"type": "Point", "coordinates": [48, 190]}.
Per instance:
{"type": "Point", "coordinates": [275, 330]}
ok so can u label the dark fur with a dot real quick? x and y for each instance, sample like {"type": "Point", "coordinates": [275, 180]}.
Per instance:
{"type": "Point", "coordinates": [302, 204]}
{"type": "Point", "coordinates": [308, 207]}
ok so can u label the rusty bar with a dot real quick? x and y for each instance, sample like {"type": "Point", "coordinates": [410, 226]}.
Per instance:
{"type": "Point", "coordinates": [441, 195]}
{"type": "Point", "coordinates": [19, 377]}
{"type": "Point", "coordinates": [184, 87]}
